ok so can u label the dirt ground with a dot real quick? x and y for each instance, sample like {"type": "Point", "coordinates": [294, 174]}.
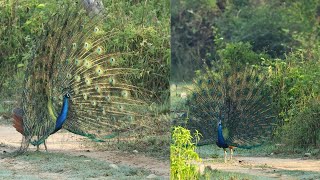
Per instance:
{"type": "Point", "coordinates": [76, 146]}
{"type": "Point", "coordinates": [73, 145]}
{"type": "Point", "coordinates": [267, 167]}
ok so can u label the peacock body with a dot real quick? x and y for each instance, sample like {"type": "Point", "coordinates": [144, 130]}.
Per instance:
{"type": "Point", "coordinates": [232, 105]}
{"type": "Point", "coordinates": [78, 82]}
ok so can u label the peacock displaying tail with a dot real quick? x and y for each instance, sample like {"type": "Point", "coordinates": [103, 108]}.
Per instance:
{"type": "Point", "coordinates": [77, 81]}
{"type": "Point", "coordinates": [232, 105]}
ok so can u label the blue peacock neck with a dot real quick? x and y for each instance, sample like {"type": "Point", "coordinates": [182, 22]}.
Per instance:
{"type": "Point", "coordinates": [63, 114]}
{"type": "Point", "coordinates": [221, 141]}
{"type": "Point", "coordinates": [60, 120]}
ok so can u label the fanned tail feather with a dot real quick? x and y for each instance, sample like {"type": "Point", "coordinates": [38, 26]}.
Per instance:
{"type": "Point", "coordinates": [237, 96]}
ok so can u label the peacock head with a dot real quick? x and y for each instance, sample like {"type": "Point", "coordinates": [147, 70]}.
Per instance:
{"type": "Point", "coordinates": [67, 95]}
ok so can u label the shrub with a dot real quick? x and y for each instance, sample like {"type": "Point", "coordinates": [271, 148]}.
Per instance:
{"type": "Point", "coordinates": [303, 129]}
{"type": "Point", "coordinates": [183, 154]}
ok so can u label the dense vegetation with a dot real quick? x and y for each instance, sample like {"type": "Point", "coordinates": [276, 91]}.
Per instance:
{"type": "Point", "coordinates": [282, 36]}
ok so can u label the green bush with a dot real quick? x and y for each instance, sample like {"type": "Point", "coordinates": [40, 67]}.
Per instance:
{"type": "Point", "coordinates": [294, 84]}
{"type": "Point", "coordinates": [303, 129]}
{"type": "Point", "coordinates": [259, 24]}
{"type": "Point", "coordinates": [241, 53]}
{"type": "Point", "coordinates": [296, 91]}
{"type": "Point", "coordinates": [182, 155]}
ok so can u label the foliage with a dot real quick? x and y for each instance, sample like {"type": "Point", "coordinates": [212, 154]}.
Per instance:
{"type": "Point", "coordinates": [294, 85]}
{"type": "Point", "coordinates": [303, 18]}
{"type": "Point", "coordinates": [303, 129]}
{"type": "Point", "coordinates": [182, 154]}
{"type": "Point", "coordinates": [21, 23]}
{"type": "Point", "coordinates": [144, 28]}
{"type": "Point", "coordinates": [275, 28]}
{"type": "Point", "coordinates": [260, 24]}
{"type": "Point", "coordinates": [191, 36]}
{"type": "Point", "coordinates": [240, 53]}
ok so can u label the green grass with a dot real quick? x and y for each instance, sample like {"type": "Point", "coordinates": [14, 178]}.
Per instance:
{"type": "Point", "coordinates": [4, 111]}
{"type": "Point", "coordinates": [176, 89]}
{"type": "Point", "coordinates": [268, 150]}
{"type": "Point", "coordinates": [300, 174]}
{"type": "Point", "coordinates": [71, 167]}
{"type": "Point", "coordinates": [153, 146]}
{"type": "Point", "coordinates": [220, 175]}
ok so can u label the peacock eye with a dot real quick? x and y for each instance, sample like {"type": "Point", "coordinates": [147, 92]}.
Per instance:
{"type": "Point", "coordinates": [99, 50]}
{"type": "Point", "coordinates": [112, 60]}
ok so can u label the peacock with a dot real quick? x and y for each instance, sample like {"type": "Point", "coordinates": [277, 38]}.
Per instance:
{"type": "Point", "coordinates": [77, 81]}
{"type": "Point", "coordinates": [233, 105]}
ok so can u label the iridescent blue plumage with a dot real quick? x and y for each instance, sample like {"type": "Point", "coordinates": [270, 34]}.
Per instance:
{"type": "Point", "coordinates": [63, 114]}
{"type": "Point", "coordinates": [221, 142]}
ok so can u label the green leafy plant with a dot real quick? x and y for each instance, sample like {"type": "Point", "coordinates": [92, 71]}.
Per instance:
{"type": "Point", "coordinates": [183, 155]}
{"type": "Point", "coordinates": [303, 129]}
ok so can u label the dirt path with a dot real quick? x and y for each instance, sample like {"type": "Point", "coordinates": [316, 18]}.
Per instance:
{"type": "Point", "coordinates": [74, 145]}
{"type": "Point", "coordinates": [273, 168]}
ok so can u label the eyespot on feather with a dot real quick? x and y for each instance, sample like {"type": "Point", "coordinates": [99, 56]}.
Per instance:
{"type": "Point", "coordinates": [98, 88]}
{"type": "Point", "coordinates": [99, 71]}
{"type": "Point", "coordinates": [85, 96]}
{"type": "Point", "coordinates": [77, 62]}
{"type": "Point", "coordinates": [125, 93]}
{"type": "Point", "coordinates": [87, 80]}
{"type": "Point", "coordinates": [87, 64]}
{"type": "Point", "coordinates": [96, 29]}
{"type": "Point", "coordinates": [99, 50]}
{"type": "Point", "coordinates": [87, 46]}
{"type": "Point", "coordinates": [112, 81]}
{"type": "Point", "coordinates": [74, 46]}
{"type": "Point", "coordinates": [112, 60]}
{"type": "Point", "coordinates": [77, 78]}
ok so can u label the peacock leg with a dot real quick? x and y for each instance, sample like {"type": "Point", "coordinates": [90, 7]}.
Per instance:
{"type": "Point", "coordinates": [231, 153]}
{"type": "Point", "coordinates": [45, 146]}
{"type": "Point", "coordinates": [38, 149]}
{"type": "Point", "coordinates": [225, 155]}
